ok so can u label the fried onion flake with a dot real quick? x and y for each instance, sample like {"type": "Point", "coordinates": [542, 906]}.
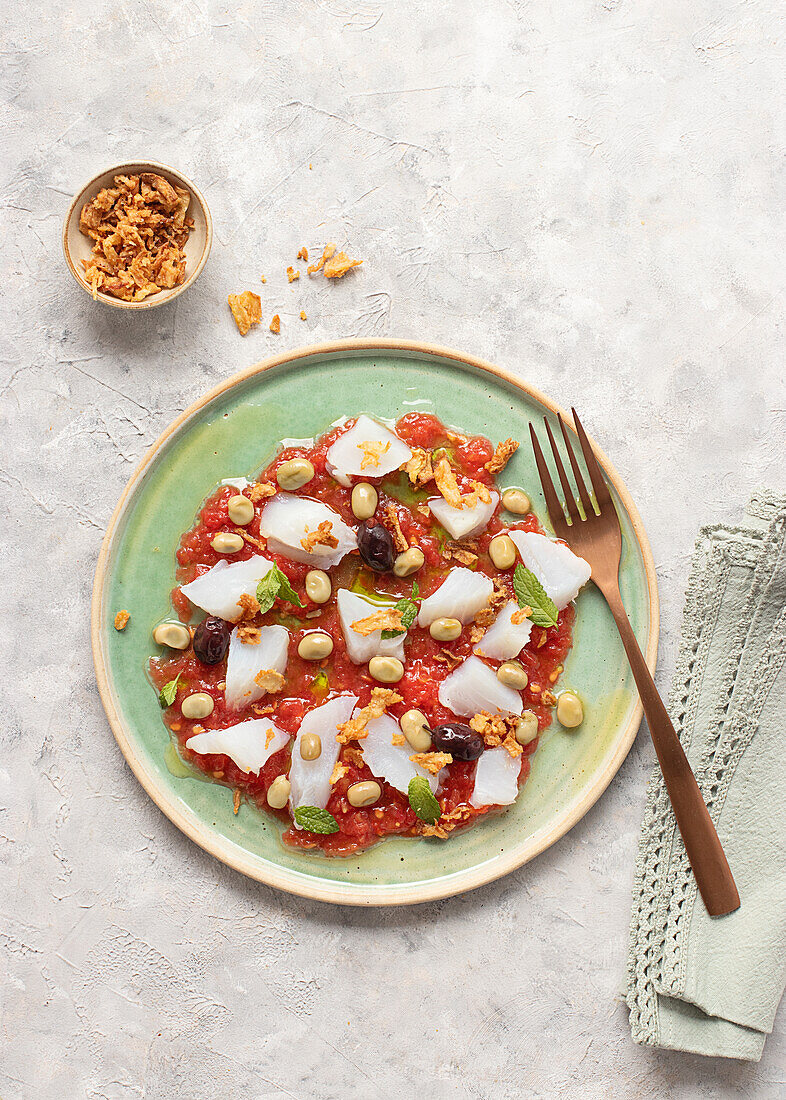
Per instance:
{"type": "Point", "coordinates": [497, 729]}
{"type": "Point", "coordinates": [269, 680]}
{"type": "Point", "coordinates": [499, 460]}
{"type": "Point", "coordinates": [320, 537]}
{"type": "Point", "coordinates": [386, 619]}
{"type": "Point", "coordinates": [432, 761]}
{"type": "Point", "coordinates": [355, 728]}
{"type": "Point", "coordinates": [419, 468]}
{"type": "Point", "coordinates": [445, 477]}
{"type": "Point", "coordinates": [372, 449]}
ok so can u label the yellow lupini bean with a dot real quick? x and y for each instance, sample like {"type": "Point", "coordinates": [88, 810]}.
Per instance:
{"type": "Point", "coordinates": [409, 561]}
{"type": "Point", "coordinates": [387, 670]}
{"type": "Point", "coordinates": [364, 794]}
{"type": "Point", "coordinates": [310, 746]}
{"type": "Point", "coordinates": [227, 542]}
{"type": "Point", "coordinates": [174, 635]}
{"type": "Point", "coordinates": [502, 551]}
{"type": "Point", "coordinates": [516, 501]}
{"type": "Point", "coordinates": [318, 586]}
{"type": "Point", "coordinates": [413, 725]}
{"type": "Point", "coordinates": [364, 500]}
{"type": "Point", "coordinates": [294, 474]}
{"type": "Point", "coordinates": [315, 646]}
{"type": "Point", "coordinates": [570, 710]}
{"type": "Point", "coordinates": [240, 509]}
{"type": "Point", "coordinates": [445, 630]}
{"type": "Point", "coordinates": [512, 675]}
{"type": "Point", "coordinates": [278, 792]}
{"type": "Point", "coordinates": [527, 729]}
{"type": "Point", "coordinates": [198, 705]}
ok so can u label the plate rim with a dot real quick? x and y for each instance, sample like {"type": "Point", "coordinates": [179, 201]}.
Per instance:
{"type": "Point", "coordinates": [300, 883]}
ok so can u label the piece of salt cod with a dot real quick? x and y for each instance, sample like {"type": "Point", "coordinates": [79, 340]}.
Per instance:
{"type": "Point", "coordinates": [310, 779]}
{"type": "Point", "coordinates": [460, 596]}
{"type": "Point", "coordinates": [392, 762]}
{"type": "Point", "coordinates": [286, 521]}
{"type": "Point", "coordinates": [351, 608]}
{"type": "Point", "coordinates": [561, 572]}
{"type": "Point", "coordinates": [463, 523]}
{"type": "Point", "coordinates": [245, 661]}
{"type": "Point", "coordinates": [219, 590]}
{"type": "Point", "coordinates": [505, 639]}
{"type": "Point", "coordinates": [496, 778]}
{"type": "Point", "coordinates": [245, 743]}
{"type": "Point", "coordinates": [346, 457]}
{"type": "Point", "coordinates": [473, 687]}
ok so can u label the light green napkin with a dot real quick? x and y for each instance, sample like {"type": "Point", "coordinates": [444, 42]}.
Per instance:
{"type": "Point", "coordinates": [697, 983]}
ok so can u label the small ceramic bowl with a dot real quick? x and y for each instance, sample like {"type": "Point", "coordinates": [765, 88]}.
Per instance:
{"type": "Point", "coordinates": [77, 247]}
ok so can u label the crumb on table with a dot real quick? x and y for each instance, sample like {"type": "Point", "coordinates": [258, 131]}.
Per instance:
{"type": "Point", "coordinates": [246, 309]}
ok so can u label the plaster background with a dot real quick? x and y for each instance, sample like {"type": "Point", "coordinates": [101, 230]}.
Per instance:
{"type": "Point", "coordinates": [589, 194]}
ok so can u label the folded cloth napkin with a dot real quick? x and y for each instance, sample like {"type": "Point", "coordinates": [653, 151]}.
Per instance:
{"type": "Point", "coordinates": [698, 983]}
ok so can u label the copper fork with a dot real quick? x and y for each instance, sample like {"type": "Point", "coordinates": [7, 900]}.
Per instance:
{"type": "Point", "coordinates": [594, 534]}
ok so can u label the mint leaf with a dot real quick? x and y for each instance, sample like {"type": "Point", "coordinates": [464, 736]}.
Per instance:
{"type": "Point", "coordinates": [409, 612]}
{"type": "Point", "coordinates": [267, 590]}
{"type": "Point", "coordinates": [168, 692]}
{"type": "Point", "coordinates": [423, 801]}
{"type": "Point", "coordinates": [315, 820]}
{"type": "Point", "coordinates": [531, 593]}
{"type": "Point", "coordinates": [286, 591]}
{"type": "Point", "coordinates": [275, 585]}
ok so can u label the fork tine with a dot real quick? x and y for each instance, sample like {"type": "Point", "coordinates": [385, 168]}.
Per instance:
{"type": "Point", "coordinates": [556, 515]}
{"type": "Point", "coordinates": [570, 500]}
{"type": "Point", "coordinates": [583, 494]}
{"type": "Point", "coordinates": [602, 494]}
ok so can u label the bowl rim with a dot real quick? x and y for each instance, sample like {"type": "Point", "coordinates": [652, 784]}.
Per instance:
{"type": "Point", "coordinates": [130, 168]}
{"type": "Point", "coordinates": [295, 882]}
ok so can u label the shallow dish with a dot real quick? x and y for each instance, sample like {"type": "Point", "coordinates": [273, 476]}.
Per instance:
{"type": "Point", "coordinates": [233, 431]}
{"type": "Point", "coordinates": [77, 247]}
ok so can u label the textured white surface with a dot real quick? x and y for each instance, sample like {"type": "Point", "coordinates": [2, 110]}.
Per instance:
{"type": "Point", "coordinates": [588, 193]}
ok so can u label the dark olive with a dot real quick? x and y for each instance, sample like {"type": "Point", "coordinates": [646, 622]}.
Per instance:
{"type": "Point", "coordinates": [376, 547]}
{"type": "Point", "coordinates": [459, 740]}
{"type": "Point", "coordinates": [211, 640]}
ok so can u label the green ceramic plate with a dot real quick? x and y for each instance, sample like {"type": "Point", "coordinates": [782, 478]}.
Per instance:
{"type": "Point", "coordinates": [234, 431]}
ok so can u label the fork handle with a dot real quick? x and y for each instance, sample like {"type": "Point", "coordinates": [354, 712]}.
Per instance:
{"type": "Point", "coordinates": [707, 858]}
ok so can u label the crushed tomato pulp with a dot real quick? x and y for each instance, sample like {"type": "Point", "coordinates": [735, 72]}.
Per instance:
{"type": "Point", "coordinates": [308, 683]}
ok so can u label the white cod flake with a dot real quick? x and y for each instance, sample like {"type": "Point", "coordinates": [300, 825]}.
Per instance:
{"type": "Point", "coordinates": [368, 449]}
{"type": "Point", "coordinates": [286, 521]}
{"type": "Point", "coordinates": [392, 762]}
{"type": "Point", "coordinates": [219, 590]}
{"type": "Point", "coordinates": [474, 687]}
{"type": "Point", "coordinates": [351, 608]}
{"type": "Point", "coordinates": [245, 661]}
{"type": "Point", "coordinates": [310, 779]}
{"type": "Point", "coordinates": [342, 479]}
{"type": "Point", "coordinates": [505, 639]}
{"type": "Point", "coordinates": [239, 483]}
{"type": "Point", "coordinates": [561, 572]}
{"type": "Point", "coordinates": [460, 596]}
{"type": "Point", "coordinates": [496, 778]}
{"type": "Point", "coordinates": [246, 743]}
{"type": "Point", "coordinates": [463, 523]}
